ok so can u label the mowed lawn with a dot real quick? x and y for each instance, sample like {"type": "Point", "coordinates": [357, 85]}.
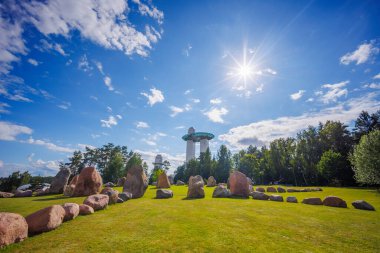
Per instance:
{"type": "Point", "coordinates": [209, 225]}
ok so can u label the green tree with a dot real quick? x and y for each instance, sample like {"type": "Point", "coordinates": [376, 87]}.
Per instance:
{"type": "Point", "coordinates": [114, 169]}
{"type": "Point", "coordinates": [179, 174]}
{"type": "Point", "coordinates": [365, 123]}
{"type": "Point", "coordinates": [192, 169]}
{"type": "Point", "coordinates": [15, 180]}
{"type": "Point", "coordinates": [223, 164]}
{"type": "Point", "coordinates": [331, 166]}
{"type": "Point", "coordinates": [366, 159]}
{"type": "Point", "coordinates": [205, 164]}
{"type": "Point", "coordinates": [134, 160]}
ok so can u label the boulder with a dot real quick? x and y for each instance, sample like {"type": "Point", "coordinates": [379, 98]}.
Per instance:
{"type": "Point", "coordinates": [304, 190]}
{"type": "Point", "coordinates": [68, 190]}
{"type": "Point", "coordinates": [280, 189]}
{"type": "Point", "coordinates": [293, 190]}
{"type": "Point", "coordinates": [260, 189]}
{"type": "Point", "coordinates": [221, 191]}
{"type": "Point", "coordinates": [163, 181]}
{"type": "Point", "coordinates": [112, 194]}
{"type": "Point", "coordinates": [312, 201]}
{"type": "Point", "coordinates": [97, 201]}
{"type": "Point", "coordinates": [121, 181]}
{"type": "Point", "coordinates": [259, 195]}
{"type": "Point", "coordinates": [291, 199]}
{"type": "Point", "coordinates": [85, 209]}
{"type": "Point", "coordinates": [59, 181]}
{"type": "Point", "coordinates": [179, 182]}
{"type": "Point", "coordinates": [125, 196]}
{"type": "Point", "coordinates": [196, 189]}
{"type": "Point", "coordinates": [89, 182]}
{"type": "Point", "coordinates": [6, 195]}
{"type": "Point", "coordinates": [249, 181]}
{"type": "Point", "coordinates": [164, 194]}
{"type": "Point", "coordinates": [71, 211]}
{"type": "Point", "coordinates": [271, 189]}
{"type": "Point", "coordinates": [239, 184]}
{"type": "Point", "coordinates": [109, 184]}
{"type": "Point", "coordinates": [13, 228]}
{"type": "Point", "coordinates": [119, 200]}
{"type": "Point", "coordinates": [211, 182]}
{"type": "Point", "coordinates": [42, 192]}
{"type": "Point", "coordinates": [363, 205]}
{"type": "Point", "coordinates": [171, 179]}
{"type": "Point", "coordinates": [334, 202]}
{"type": "Point", "coordinates": [27, 193]}
{"type": "Point", "coordinates": [24, 187]}
{"type": "Point", "coordinates": [46, 219]}
{"type": "Point", "coordinates": [278, 198]}
{"type": "Point", "coordinates": [136, 182]}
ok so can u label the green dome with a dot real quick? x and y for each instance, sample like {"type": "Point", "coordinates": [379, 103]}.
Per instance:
{"type": "Point", "coordinates": [197, 136]}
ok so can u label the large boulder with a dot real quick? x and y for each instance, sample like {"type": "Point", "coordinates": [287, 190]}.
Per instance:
{"type": "Point", "coordinates": [42, 192]}
{"type": "Point", "coordinates": [89, 182]}
{"type": "Point", "coordinates": [312, 201]}
{"type": "Point", "coordinates": [164, 194]}
{"type": "Point", "coordinates": [163, 181]}
{"type": "Point", "coordinates": [68, 190]}
{"type": "Point", "coordinates": [72, 211]}
{"type": "Point", "coordinates": [239, 184]}
{"type": "Point", "coordinates": [291, 199]}
{"type": "Point", "coordinates": [334, 202]}
{"type": "Point", "coordinates": [277, 198]}
{"type": "Point", "coordinates": [179, 182]}
{"type": "Point", "coordinates": [59, 181]}
{"type": "Point", "coordinates": [196, 187]}
{"type": "Point", "coordinates": [6, 195]}
{"type": "Point", "coordinates": [136, 182]}
{"type": "Point", "coordinates": [45, 219]}
{"type": "Point", "coordinates": [271, 189]}
{"type": "Point", "coordinates": [20, 193]}
{"type": "Point", "coordinates": [121, 181]}
{"type": "Point", "coordinates": [260, 189]}
{"type": "Point", "coordinates": [125, 196]}
{"type": "Point", "coordinates": [13, 228]}
{"type": "Point", "coordinates": [221, 191]}
{"type": "Point", "coordinates": [85, 209]}
{"type": "Point", "coordinates": [259, 195]}
{"type": "Point", "coordinates": [112, 194]}
{"type": "Point", "coordinates": [211, 182]}
{"type": "Point", "coordinates": [97, 201]}
{"type": "Point", "coordinates": [249, 181]}
{"type": "Point", "coordinates": [293, 190]}
{"type": "Point", "coordinates": [363, 205]}
{"type": "Point", "coordinates": [280, 189]}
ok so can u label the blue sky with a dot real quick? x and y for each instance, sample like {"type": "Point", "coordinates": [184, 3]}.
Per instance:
{"type": "Point", "coordinates": [140, 73]}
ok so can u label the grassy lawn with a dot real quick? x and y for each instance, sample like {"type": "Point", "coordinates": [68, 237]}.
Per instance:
{"type": "Point", "coordinates": [209, 225]}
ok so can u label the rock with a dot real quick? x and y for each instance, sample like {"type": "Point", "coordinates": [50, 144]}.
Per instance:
{"type": "Point", "coordinates": [260, 189]}
{"type": "Point", "coordinates": [278, 198]}
{"type": "Point", "coordinates": [71, 211]}
{"type": "Point", "coordinates": [304, 190]}
{"type": "Point", "coordinates": [119, 200]}
{"type": "Point", "coordinates": [109, 184]}
{"type": "Point", "coordinates": [319, 189]}
{"type": "Point", "coordinates": [179, 182]}
{"type": "Point", "coordinates": [121, 181]}
{"type": "Point", "coordinates": [97, 201]}
{"type": "Point", "coordinates": [163, 181]}
{"type": "Point", "coordinates": [249, 181]}
{"type": "Point", "coordinates": [24, 187]}
{"type": "Point", "coordinates": [221, 191]}
{"type": "Point", "coordinates": [46, 219]}
{"type": "Point", "coordinates": [259, 195]}
{"type": "Point", "coordinates": [334, 202]}
{"type": "Point", "coordinates": [171, 179]}
{"type": "Point", "coordinates": [85, 209]}
{"type": "Point", "coordinates": [291, 199]}
{"type": "Point", "coordinates": [89, 182]}
{"type": "Point", "coordinates": [125, 196]}
{"type": "Point", "coordinates": [136, 182]}
{"type": "Point", "coordinates": [312, 201]}
{"type": "Point", "coordinates": [6, 195]}
{"type": "Point", "coordinates": [292, 190]}
{"type": "Point", "coordinates": [196, 189]}
{"type": "Point", "coordinates": [271, 189]}
{"type": "Point", "coordinates": [112, 194]}
{"type": "Point", "coordinates": [211, 182]}
{"type": "Point", "coordinates": [280, 189]}
{"type": "Point", "coordinates": [154, 183]}
{"type": "Point", "coordinates": [13, 228]}
{"type": "Point", "coordinates": [68, 190]}
{"type": "Point", "coordinates": [239, 184]}
{"type": "Point", "coordinates": [27, 193]}
{"type": "Point", "coordinates": [164, 194]}
{"type": "Point", "coordinates": [363, 205]}
{"type": "Point", "coordinates": [42, 192]}
{"type": "Point", "coordinates": [59, 181]}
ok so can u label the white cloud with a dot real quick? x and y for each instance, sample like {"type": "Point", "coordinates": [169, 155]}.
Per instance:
{"type": "Point", "coordinates": [262, 132]}
{"type": "Point", "coordinates": [297, 95]}
{"type": "Point", "coordinates": [94, 98]}
{"type": "Point", "coordinates": [142, 124]}
{"type": "Point", "coordinates": [46, 46]}
{"type": "Point", "coordinates": [175, 160]}
{"type": "Point", "coordinates": [49, 145]}
{"type": "Point", "coordinates": [215, 101]}
{"type": "Point", "coordinates": [377, 76]}
{"type": "Point", "coordinates": [179, 127]}
{"type": "Point", "coordinates": [188, 92]}
{"type": "Point", "coordinates": [156, 96]}
{"type": "Point", "coordinates": [187, 50]}
{"type": "Point", "coordinates": [65, 105]}
{"type": "Point", "coordinates": [108, 83]}
{"type": "Point", "coordinates": [260, 88]}
{"type": "Point", "coordinates": [360, 55]}
{"type": "Point", "coordinates": [84, 146]}
{"type": "Point", "coordinates": [150, 10]}
{"type": "Point", "coordinates": [215, 114]}
{"type": "Point", "coordinates": [372, 86]}
{"type": "Point", "coordinates": [152, 139]}
{"type": "Point", "coordinates": [195, 100]}
{"type": "Point", "coordinates": [310, 100]}
{"type": "Point", "coordinates": [3, 108]}
{"type": "Point", "coordinates": [33, 62]}
{"type": "Point", "coordinates": [99, 66]}
{"type": "Point", "coordinates": [334, 91]}
{"type": "Point", "coordinates": [9, 131]}
{"type": "Point", "coordinates": [176, 110]}
{"type": "Point", "coordinates": [1, 163]}
{"type": "Point", "coordinates": [84, 64]}
{"type": "Point", "coordinates": [111, 121]}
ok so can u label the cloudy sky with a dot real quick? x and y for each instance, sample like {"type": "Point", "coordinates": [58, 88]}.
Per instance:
{"type": "Point", "coordinates": [140, 73]}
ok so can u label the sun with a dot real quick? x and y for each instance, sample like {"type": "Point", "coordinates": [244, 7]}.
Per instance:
{"type": "Point", "coordinates": [245, 71]}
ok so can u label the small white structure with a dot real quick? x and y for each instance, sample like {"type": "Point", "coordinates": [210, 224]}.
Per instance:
{"type": "Point", "coordinates": [158, 162]}
{"type": "Point", "coordinates": [191, 138]}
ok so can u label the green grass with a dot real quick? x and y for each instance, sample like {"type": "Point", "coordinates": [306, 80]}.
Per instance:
{"type": "Point", "coordinates": [209, 225]}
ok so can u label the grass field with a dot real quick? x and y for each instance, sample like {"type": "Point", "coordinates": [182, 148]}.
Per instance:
{"type": "Point", "coordinates": [209, 225]}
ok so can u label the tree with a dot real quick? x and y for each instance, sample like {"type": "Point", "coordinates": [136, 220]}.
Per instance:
{"type": "Point", "coordinates": [331, 166]}
{"type": "Point", "coordinates": [145, 168]}
{"type": "Point", "coordinates": [179, 174]}
{"type": "Point", "coordinates": [76, 163]}
{"type": "Point", "coordinates": [114, 169]}
{"type": "Point", "coordinates": [15, 180]}
{"type": "Point", "coordinates": [192, 169]}
{"type": "Point", "coordinates": [366, 123]}
{"type": "Point", "coordinates": [366, 159]}
{"type": "Point", "coordinates": [167, 165]}
{"type": "Point", "coordinates": [205, 164]}
{"type": "Point", "coordinates": [223, 164]}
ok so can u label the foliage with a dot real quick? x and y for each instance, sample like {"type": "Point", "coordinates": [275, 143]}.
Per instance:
{"type": "Point", "coordinates": [14, 180]}
{"type": "Point", "coordinates": [366, 123]}
{"type": "Point", "coordinates": [331, 166]}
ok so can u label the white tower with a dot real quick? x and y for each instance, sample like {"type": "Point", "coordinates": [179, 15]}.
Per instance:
{"type": "Point", "coordinates": [191, 138]}
{"type": "Point", "coordinates": [203, 145]}
{"type": "Point", "coordinates": [158, 162]}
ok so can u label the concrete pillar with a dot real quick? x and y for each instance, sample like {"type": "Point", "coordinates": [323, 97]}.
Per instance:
{"type": "Point", "coordinates": [203, 145]}
{"type": "Point", "coordinates": [190, 150]}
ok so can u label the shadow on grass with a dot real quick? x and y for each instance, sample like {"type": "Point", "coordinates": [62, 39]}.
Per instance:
{"type": "Point", "coordinates": [52, 198]}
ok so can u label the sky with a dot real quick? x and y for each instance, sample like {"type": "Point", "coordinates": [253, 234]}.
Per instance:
{"type": "Point", "coordinates": [140, 73]}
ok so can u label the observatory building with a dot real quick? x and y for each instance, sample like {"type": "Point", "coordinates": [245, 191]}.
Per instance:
{"type": "Point", "coordinates": [191, 138]}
